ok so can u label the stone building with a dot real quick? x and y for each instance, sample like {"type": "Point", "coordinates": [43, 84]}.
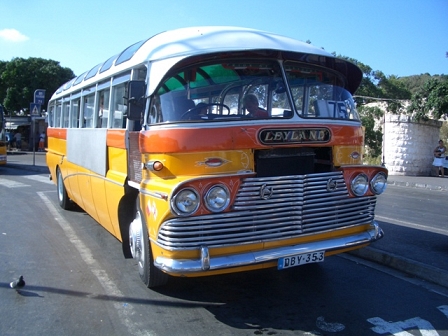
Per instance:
{"type": "Point", "coordinates": [408, 145]}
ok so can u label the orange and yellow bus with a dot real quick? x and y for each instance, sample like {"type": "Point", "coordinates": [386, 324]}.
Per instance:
{"type": "Point", "coordinates": [3, 142]}
{"type": "Point", "coordinates": [211, 150]}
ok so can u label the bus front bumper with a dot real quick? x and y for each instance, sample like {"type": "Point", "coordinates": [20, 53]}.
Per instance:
{"type": "Point", "coordinates": [206, 263]}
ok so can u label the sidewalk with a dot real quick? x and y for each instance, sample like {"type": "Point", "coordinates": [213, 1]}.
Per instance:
{"type": "Point", "coordinates": [419, 253]}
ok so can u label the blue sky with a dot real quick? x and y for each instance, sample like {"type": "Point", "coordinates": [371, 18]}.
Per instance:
{"type": "Point", "coordinates": [398, 37]}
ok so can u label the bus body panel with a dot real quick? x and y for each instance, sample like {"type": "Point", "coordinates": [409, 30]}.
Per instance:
{"type": "Point", "coordinates": [3, 151]}
{"type": "Point", "coordinates": [97, 195]}
{"type": "Point", "coordinates": [175, 140]}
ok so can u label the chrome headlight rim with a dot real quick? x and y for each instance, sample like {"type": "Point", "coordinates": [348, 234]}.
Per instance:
{"type": "Point", "coordinates": [355, 185]}
{"type": "Point", "coordinates": [175, 202]}
{"type": "Point", "coordinates": [375, 182]}
{"type": "Point", "coordinates": [208, 199]}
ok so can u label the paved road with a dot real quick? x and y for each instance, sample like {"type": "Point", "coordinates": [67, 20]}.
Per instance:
{"type": "Point", "coordinates": [402, 255]}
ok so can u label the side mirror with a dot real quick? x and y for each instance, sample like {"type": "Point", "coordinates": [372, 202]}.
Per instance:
{"type": "Point", "coordinates": [136, 99]}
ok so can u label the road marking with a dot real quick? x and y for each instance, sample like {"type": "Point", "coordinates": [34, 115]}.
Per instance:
{"type": "Point", "coordinates": [108, 285]}
{"type": "Point", "coordinates": [398, 328]}
{"type": "Point", "coordinates": [39, 178]}
{"type": "Point", "coordinates": [444, 310]}
{"type": "Point", "coordinates": [413, 225]}
{"type": "Point", "coordinates": [12, 184]}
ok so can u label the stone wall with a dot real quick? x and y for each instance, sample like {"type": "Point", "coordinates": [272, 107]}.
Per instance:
{"type": "Point", "coordinates": [408, 145]}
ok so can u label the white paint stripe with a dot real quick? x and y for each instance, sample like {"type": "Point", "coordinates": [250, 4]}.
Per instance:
{"type": "Point", "coordinates": [413, 225]}
{"type": "Point", "coordinates": [39, 178]}
{"type": "Point", "coordinates": [12, 184]}
{"type": "Point", "coordinates": [444, 310]}
{"type": "Point", "coordinates": [398, 328]}
{"type": "Point", "coordinates": [109, 286]}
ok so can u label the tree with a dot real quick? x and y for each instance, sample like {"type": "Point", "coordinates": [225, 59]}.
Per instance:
{"type": "Point", "coordinates": [20, 77]}
{"type": "Point", "coordinates": [373, 136]}
{"type": "Point", "coordinates": [431, 100]}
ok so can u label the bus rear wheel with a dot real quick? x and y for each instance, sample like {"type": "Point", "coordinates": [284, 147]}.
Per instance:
{"type": "Point", "coordinates": [64, 200]}
{"type": "Point", "coordinates": [141, 251]}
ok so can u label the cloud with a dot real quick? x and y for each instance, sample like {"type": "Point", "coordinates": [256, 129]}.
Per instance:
{"type": "Point", "coordinates": [12, 35]}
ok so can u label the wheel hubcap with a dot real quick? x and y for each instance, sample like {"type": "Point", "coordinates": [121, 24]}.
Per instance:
{"type": "Point", "coordinates": [135, 238]}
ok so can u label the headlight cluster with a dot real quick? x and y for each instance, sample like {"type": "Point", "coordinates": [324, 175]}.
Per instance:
{"type": "Point", "coordinates": [360, 184]}
{"type": "Point", "coordinates": [187, 201]}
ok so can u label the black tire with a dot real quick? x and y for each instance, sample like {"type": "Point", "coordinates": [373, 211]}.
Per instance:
{"type": "Point", "coordinates": [141, 251]}
{"type": "Point", "coordinates": [64, 201]}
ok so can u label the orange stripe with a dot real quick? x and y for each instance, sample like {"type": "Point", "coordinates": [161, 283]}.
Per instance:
{"type": "Point", "coordinates": [231, 138]}
{"type": "Point", "coordinates": [60, 133]}
{"type": "Point", "coordinates": [116, 138]}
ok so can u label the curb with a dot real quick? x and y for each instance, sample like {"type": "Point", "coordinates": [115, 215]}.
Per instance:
{"type": "Point", "coordinates": [412, 267]}
{"type": "Point", "coordinates": [418, 185]}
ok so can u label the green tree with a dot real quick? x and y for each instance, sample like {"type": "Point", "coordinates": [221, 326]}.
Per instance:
{"type": "Point", "coordinates": [20, 77]}
{"type": "Point", "coordinates": [431, 100]}
{"type": "Point", "coordinates": [373, 136]}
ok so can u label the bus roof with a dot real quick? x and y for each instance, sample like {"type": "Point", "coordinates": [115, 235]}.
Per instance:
{"type": "Point", "coordinates": [167, 48]}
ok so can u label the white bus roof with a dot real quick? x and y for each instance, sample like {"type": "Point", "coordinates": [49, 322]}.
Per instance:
{"type": "Point", "coordinates": [164, 50]}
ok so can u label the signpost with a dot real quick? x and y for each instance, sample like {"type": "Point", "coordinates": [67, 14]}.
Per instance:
{"type": "Point", "coordinates": [39, 99]}
{"type": "Point", "coordinates": [35, 110]}
{"type": "Point", "coordinates": [39, 96]}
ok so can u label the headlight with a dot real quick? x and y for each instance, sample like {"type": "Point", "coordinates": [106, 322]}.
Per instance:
{"type": "Point", "coordinates": [185, 202]}
{"type": "Point", "coordinates": [378, 183]}
{"type": "Point", "coordinates": [217, 198]}
{"type": "Point", "coordinates": [360, 185]}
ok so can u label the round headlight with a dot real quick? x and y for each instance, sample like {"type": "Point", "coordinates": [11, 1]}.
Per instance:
{"type": "Point", "coordinates": [379, 183]}
{"type": "Point", "coordinates": [360, 185]}
{"type": "Point", "coordinates": [185, 202]}
{"type": "Point", "coordinates": [217, 198]}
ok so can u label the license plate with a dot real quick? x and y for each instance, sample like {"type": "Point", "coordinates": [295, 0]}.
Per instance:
{"type": "Point", "coordinates": [301, 259]}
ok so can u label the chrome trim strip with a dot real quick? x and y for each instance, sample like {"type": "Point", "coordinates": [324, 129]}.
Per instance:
{"type": "Point", "coordinates": [156, 194]}
{"type": "Point", "coordinates": [93, 175]}
{"type": "Point", "coordinates": [251, 258]}
{"type": "Point", "coordinates": [134, 185]}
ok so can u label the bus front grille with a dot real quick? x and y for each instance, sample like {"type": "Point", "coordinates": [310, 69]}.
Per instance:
{"type": "Point", "coordinates": [273, 208]}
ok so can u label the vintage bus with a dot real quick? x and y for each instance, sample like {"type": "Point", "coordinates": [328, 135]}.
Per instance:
{"type": "Point", "coordinates": [3, 141]}
{"type": "Point", "coordinates": [210, 150]}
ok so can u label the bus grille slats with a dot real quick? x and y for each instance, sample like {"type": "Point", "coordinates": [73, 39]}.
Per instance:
{"type": "Point", "coordinates": [298, 205]}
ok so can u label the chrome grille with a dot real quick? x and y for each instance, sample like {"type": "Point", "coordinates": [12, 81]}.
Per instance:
{"type": "Point", "coordinates": [298, 205]}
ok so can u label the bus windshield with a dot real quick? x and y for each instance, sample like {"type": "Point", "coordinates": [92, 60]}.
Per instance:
{"type": "Point", "coordinates": [244, 89]}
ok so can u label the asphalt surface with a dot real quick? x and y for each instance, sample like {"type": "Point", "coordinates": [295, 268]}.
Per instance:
{"type": "Point", "coordinates": [404, 257]}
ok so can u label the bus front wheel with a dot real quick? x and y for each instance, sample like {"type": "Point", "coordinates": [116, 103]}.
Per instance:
{"type": "Point", "coordinates": [141, 251]}
{"type": "Point", "coordinates": [64, 200]}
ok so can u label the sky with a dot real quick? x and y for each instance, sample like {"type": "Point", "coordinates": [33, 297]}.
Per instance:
{"type": "Point", "coordinates": [397, 37]}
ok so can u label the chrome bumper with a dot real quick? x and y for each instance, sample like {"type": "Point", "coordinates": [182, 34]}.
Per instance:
{"type": "Point", "coordinates": [205, 263]}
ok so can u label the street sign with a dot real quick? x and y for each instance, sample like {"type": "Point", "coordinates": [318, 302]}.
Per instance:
{"type": "Point", "coordinates": [39, 96]}
{"type": "Point", "coordinates": [35, 110]}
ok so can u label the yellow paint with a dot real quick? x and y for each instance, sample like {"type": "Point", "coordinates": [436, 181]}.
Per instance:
{"type": "Point", "coordinates": [346, 155]}
{"type": "Point", "coordinates": [195, 164]}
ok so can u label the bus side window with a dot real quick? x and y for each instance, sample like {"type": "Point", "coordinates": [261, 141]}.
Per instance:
{"type": "Point", "coordinates": [75, 114]}
{"type": "Point", "coordinates": [66, 114]}
{"type": "Point", "coordinates": [88, 110]}
{"type": "Point", "coordinates": [119, 106]}
{"type": "Point", "coordinates": [57, 122]}
{"type": "Point", "coordinates": [103, 108]}
{"type": "Point", "coordinates": [50, 116]}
